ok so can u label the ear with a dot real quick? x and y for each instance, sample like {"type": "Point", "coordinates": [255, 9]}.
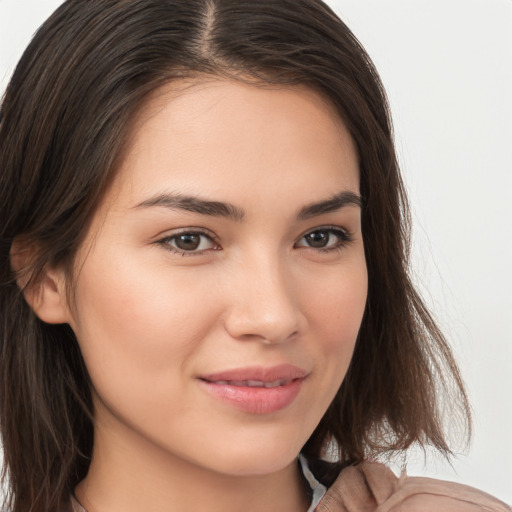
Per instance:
{"type": "Point", "coordinates": [46, 293]}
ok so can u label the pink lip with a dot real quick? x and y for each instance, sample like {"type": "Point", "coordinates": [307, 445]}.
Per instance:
{"type": "Point", "coordinates": [256, 400]}
{"type": "Point", "coordinates": [280, 372]}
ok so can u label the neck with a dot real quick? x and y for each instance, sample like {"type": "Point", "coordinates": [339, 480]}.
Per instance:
{"type": "Point", "coordinates": [130, 474]}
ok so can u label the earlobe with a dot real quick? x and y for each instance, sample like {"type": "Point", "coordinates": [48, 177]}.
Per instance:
{"type": "Point", "coordinates": [46, 293]}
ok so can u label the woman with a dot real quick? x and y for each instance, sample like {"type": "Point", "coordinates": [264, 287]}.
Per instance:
{"type": "Point", "coordinates": [204, 241]}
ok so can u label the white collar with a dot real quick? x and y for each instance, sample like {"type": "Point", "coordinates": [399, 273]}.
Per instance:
{"type": "Point", "coordinates": [318, 490]}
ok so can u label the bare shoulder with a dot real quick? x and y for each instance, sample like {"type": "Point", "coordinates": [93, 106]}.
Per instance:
{"type": "Point", "coordinates": [372, 487]}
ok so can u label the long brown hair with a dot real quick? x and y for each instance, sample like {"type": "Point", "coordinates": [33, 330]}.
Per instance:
{"type": "Point", "coordinates": [66, 116]}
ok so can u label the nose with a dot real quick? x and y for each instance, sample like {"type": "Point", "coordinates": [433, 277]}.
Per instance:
{"type": "Point", "coordinates": [263, 304]}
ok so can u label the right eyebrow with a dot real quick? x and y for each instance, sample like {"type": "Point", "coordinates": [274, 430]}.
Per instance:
{"type": "Point", "coordinates": [195, 204]}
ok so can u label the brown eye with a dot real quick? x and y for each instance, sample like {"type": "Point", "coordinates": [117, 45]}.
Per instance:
{"type": "Point", "coordinates": [318, 238]}
{"type": "Point", "coordinates": [325, 239]}
{"type": "Point", "coordinates": [188, 241]}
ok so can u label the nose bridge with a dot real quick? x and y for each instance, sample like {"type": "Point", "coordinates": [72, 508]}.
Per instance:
{"type": "Point", "coordinates": [263, 303]}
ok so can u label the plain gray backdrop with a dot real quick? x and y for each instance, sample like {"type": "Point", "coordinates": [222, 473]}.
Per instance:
{"type": "Point", "coordinates": [447, 67]}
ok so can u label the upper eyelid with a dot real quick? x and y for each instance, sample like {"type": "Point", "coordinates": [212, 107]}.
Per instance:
{"type": "Point", "coordinates": [204, 231]}
{"type": "Point", "coordinates": [345, 237]}
{"type": "Point", "coordinates": [164, 235]}
{"type": "Point", "coordinates": [164, 242]}
{"type": "Point", "coordinates": [215, 239]}
{"type": "Point", "coordinates": [341, 229]}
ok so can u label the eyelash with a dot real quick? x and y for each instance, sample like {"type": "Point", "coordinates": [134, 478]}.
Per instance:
{"type": "Point", "coordinates": [343, 236]}
{"type": "Point", "coordinates": [166, 242]}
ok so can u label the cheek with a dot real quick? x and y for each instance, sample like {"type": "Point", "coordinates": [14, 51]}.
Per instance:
{"type": "Point", "coordinates": [139, 326]}
{"type": "Point", "coordinates": [337, 307]}
{"type": "Point", "coordinates": [336, 312]}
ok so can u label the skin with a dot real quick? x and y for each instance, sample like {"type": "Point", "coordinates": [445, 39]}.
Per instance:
{"type": "Point", "coordinates": [150, 321]}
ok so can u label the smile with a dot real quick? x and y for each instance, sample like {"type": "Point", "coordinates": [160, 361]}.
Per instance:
{"type": "Point", "coordinates": [251, 383]}
{"type": "Point", "coordinates": [262, 391]}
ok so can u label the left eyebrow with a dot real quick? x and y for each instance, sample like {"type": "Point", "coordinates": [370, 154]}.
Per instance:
{"type": "Point", "coordinates": [335, 203]}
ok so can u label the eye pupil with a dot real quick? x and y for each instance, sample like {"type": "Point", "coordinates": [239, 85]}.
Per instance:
{"type": "Point", "coordinates": [318, 238]}
{"type": "Point", "coordinates": [188, 241]}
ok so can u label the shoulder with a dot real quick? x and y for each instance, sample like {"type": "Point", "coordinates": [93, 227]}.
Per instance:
{"type": "Point", "coordinates": [373, 487]}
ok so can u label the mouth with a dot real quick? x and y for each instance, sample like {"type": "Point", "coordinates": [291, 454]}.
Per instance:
{"type": "Point", "coordinates": [250, 383]}
{"type": "Point", "coordinates": [256, 390]}
{"type": "Point", "coordinates": [257, 376]}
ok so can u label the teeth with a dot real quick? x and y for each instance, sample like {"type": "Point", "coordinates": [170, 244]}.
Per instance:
{"type": "Point", "coordinates": [254, 383]}
{"type": "Point", "coordinates": [274, 384]}
{"type": "Point", "coordinates": [251, 383]}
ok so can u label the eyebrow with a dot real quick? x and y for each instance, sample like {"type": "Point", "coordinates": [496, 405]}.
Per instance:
{"type": "Point", "coordinates": [195, 204]}
{"type": "Point", "coordinates": [190, 203]}
{"type": "Point", "coordinates": [335, 203]}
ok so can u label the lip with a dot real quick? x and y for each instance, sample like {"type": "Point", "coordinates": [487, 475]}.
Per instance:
{"type": "Point", "coordinates": [228, 386]}
{"type": "Point", "coordinates": [270, 374]}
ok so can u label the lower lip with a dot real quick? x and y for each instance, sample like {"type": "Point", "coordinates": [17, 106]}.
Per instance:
{"type": "Point", "coordinates": [256, 400]}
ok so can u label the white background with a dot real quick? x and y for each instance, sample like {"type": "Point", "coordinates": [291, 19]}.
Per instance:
{"type": "Point", "coordinates": [447, 67]}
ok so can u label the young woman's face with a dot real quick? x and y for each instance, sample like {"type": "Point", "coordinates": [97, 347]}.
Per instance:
{"type": "Point", "coordinates": [222, 283]}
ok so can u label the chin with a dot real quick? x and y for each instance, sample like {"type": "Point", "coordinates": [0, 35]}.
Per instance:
{"type": "Point", "coordinates": [257, 458]}
{"type": "Point", "coordinates": [254, 465]}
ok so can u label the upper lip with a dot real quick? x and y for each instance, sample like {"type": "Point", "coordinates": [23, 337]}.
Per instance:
{"type": "Point", "coordinates": [283, 372]}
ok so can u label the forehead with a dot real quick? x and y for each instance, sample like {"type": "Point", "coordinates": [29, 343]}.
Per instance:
{"type": "Point", "coordinates": [226, 138]}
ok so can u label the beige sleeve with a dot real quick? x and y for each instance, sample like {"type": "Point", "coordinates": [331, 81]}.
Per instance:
{"type": "Point", "coordinates": [372, 487]}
